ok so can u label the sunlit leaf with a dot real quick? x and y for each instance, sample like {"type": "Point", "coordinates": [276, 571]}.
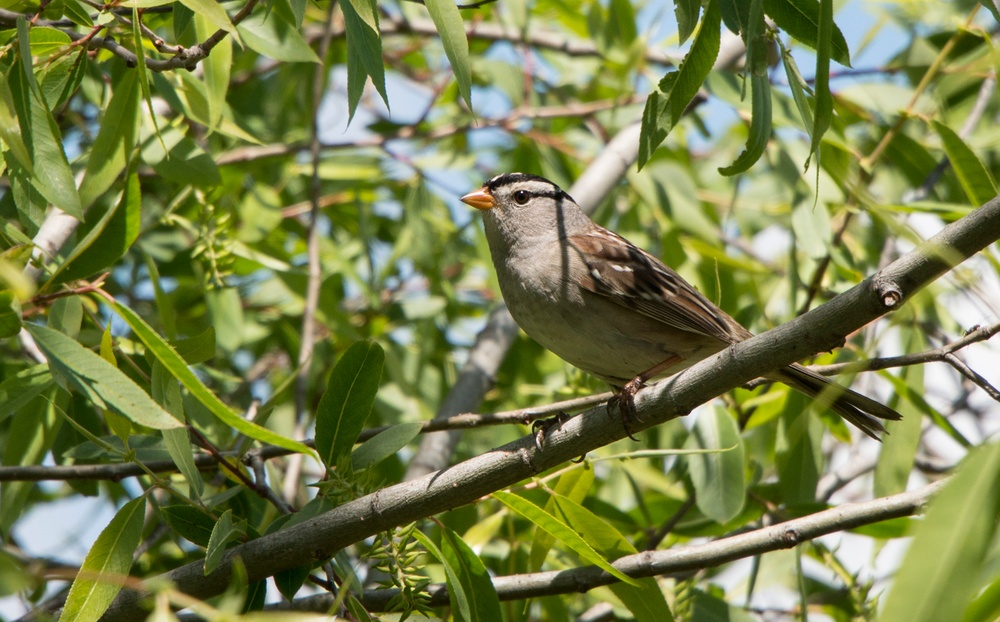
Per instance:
{"type": "Point", "coordinates": [347, 401]}
{"type": "Point", "coordinates": [105, 566]}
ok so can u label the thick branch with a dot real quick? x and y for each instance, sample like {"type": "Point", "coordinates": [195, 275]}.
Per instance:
{"type": "Point", "coordinates": [820, 329]}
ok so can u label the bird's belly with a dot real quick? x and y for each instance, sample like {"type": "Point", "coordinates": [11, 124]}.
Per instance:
{"type": "Point", "coordinates": [606, 339]}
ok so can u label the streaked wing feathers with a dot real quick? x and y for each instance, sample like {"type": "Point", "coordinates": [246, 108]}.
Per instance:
{"type": "Point", "coordinates": [633, 278]}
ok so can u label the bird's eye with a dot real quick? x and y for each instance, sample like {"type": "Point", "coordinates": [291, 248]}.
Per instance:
{"type": "Point", "coordinates": [521, 197]}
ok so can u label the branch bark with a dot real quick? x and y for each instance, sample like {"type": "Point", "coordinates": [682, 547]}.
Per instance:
{"type": "Point", "coordinates": [820, 329]}
{"type": "Point", "coordinates": [677, 561]}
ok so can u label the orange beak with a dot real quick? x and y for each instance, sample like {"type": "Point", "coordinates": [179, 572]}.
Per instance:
{"type": "Point", "coordinates": [480, 199]}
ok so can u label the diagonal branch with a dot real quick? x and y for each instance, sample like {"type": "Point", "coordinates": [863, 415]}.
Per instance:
{"type": "Point", "coordinates": [822, 328]}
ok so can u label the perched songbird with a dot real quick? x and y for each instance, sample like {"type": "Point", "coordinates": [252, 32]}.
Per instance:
{"type": "Point", "coordinates": [608, 307]}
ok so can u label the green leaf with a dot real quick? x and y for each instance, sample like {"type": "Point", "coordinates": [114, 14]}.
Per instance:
{"type": "Point", "coordinates": [718, 476]}
{"type": "Point", "coordinates": [798, 454]}
{"type": "Point", "coordinates": [561, 531]}
{"type": "Point", "coordinates": [620, 30]}
{"type": "Point", "coordinates": [483, 602]}
{"type": "Point", "coordinates": [801, 92]}
{"type": "Point", "coordinates": [162, 351]}
{"type": "Point", "coordinates": [216, 71]}
{"type": "Point", "coordinates": [212, 11]}
{"type": "Point", "coordinates": [812, 229]}
{"type": "Point", "coordinates": [686, 12]}
{"type": "Point", "coordinates": [823, 111]}
{"type": "Point", "coordinates": [198, 348]}
{"type": "Point", "coordinates": [19, 389]}
{"type": "Point", "coordinates": [116, 138]}
{"type": "Point", "coordinates": [972, 174]}
{"type": "Point", "coordinates": [736, 16]}
{"type": "Point", "coordinates": [448, 20]}
{"type": "Point", "coordinates": [801, 19]}
{"type": "Point", "coordinates": [347, 401]}
{"type": "Point", "coordinates": [457, 595]}
{"type": "Point", "coordinates": [106, 564]}
{"type": "Point", "coordinates": [189, 522]}
{"type": "Point", "coordinates": [167, 392]}
{"type": "Point", "coordinates": [116, 230]}
{"type": "Point", "coordinates": [268, 34]}
{"type": "Point", "coordinates": [992, 8]}
{"type": "Point", "coordinates": [574, 486]}
{"type": "Point", "coordinates": [10, 314]}
{"type": "Point", "coordinates": [180, 159]}
{"type": "Point", "coordinates": [51, 175]}
{"type": "Point", "coordinates": [943, 568]}
{"type": "Point", "coordinates": [760, 127]}
{"type": "Point", "coordinates": [679, 87]}
{"type": "Point", "coordinates": [643, 598]}
{"type": "Point", "coordinates": [100, 381]}
{"type": "Point", "coordinates": [384, 444]}
{"type": "Point", "coordinates": [226, 312]}
{"type": "Point", "coordinates": [225, 531]}
{"type": "Point", "coordinates": [29, 437]}
{"type": "Point", "coordinates": [899, 446]}
{"type": "Point", "coordinates": [757, 42]}
{"type": "Point", "coordinates": [364, 56]}
{"type": "Point", "coordinates": [10, 128]}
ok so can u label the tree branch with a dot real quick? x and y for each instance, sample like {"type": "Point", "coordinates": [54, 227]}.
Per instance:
{"type": "Point", "coordinates": [822, 328]}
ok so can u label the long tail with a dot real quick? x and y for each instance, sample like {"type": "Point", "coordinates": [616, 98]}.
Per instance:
{"type": "Point", "coordinates": [863, 412]}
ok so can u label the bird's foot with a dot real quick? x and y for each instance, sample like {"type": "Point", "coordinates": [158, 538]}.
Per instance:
{"type": "Point", "coordinates": [541, 427]}
{"type": "Point", "coordinates": [624, 401]}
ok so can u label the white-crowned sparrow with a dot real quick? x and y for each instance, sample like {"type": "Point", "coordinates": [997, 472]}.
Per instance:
{"type": "Point", "coordinates": [606, 306]}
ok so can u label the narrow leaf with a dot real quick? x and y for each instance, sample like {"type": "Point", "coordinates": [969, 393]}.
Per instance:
{"type": "Point", "coordinates": [572, 485]}
{"type": "Point", "coordinates": [167, 392]}
{"type": "Point", "coordinates": [679, 87]}
{"type": "Point", "coordinates": [384, 444]}
{"type": "Point", "coordinates": [643, 598]}
{"type": "Point", "coordinates": [225, 531]}
{"type": "Point", "coordinates": [972, 174]}
{"type": "Point", "coordinates": [457, 595]}
{"type": "Point", "coordinates": [448, 20]}
{"type": "Point", "coordinates": [106, 564]}
{"type": "Point", "coordinates": [561, 531]}
{"type": "Point", "coordinates": [116, 138]}
{"type": "Point", "coordinates": [212, 11]}
{"type": "Point", "coordinates": [718, 476]}
{"type": "Point", "coordinates": [10, 129]}
{"type": "Point", "coordinates": [273, 37]}
{"type": "Point", "coordinates": [19, 389]}
{"type": "Point", "coordinates": [216, 71]}
{"type": "Point", "coordinates": [760, 127]}
{"type": "Point", "coordinates": [686, 12]}
{"type": "Point", "coordinates": [484, 604]}
{"type": "Point", "coordinates": [10, 314]}
{"type": "Point", "coordinates": [944, 567]}
{"type": "Point", "coordinates": [364, 57]}
{"type": "Point", "coordinates": [162, 351]}
{"type": "Point", "coordinates": [116, 230]}
{"type": "Point", "coordinates": [800, 19]}
{"type": "Point", "coordinates": [349, 397]}
{"type": "Point", "coordinates": [823, 112]}
{"type": "Point", "coordinates": [101, 381]}
{"type": "Point", "coordinates": [51, 174]}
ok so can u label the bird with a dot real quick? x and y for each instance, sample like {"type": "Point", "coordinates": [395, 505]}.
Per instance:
{"type": "Point", "coordinates": [611, 309]}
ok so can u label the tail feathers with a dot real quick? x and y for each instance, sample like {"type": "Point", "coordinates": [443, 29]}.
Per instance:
{"type": "Point", "coordinates": [860, 411]}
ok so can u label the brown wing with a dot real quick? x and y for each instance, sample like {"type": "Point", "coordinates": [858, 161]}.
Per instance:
{"type": "Point", "coordinates": [635, 279]}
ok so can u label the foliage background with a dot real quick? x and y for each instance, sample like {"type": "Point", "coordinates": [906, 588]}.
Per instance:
{"type": "Point", "coordinates": [245, 192]}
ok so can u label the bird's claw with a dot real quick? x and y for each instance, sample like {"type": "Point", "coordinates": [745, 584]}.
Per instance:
{"type": "Point", "coordinates": [624, 401]}
{"type": "Point", "coordinates": [541, 427]}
